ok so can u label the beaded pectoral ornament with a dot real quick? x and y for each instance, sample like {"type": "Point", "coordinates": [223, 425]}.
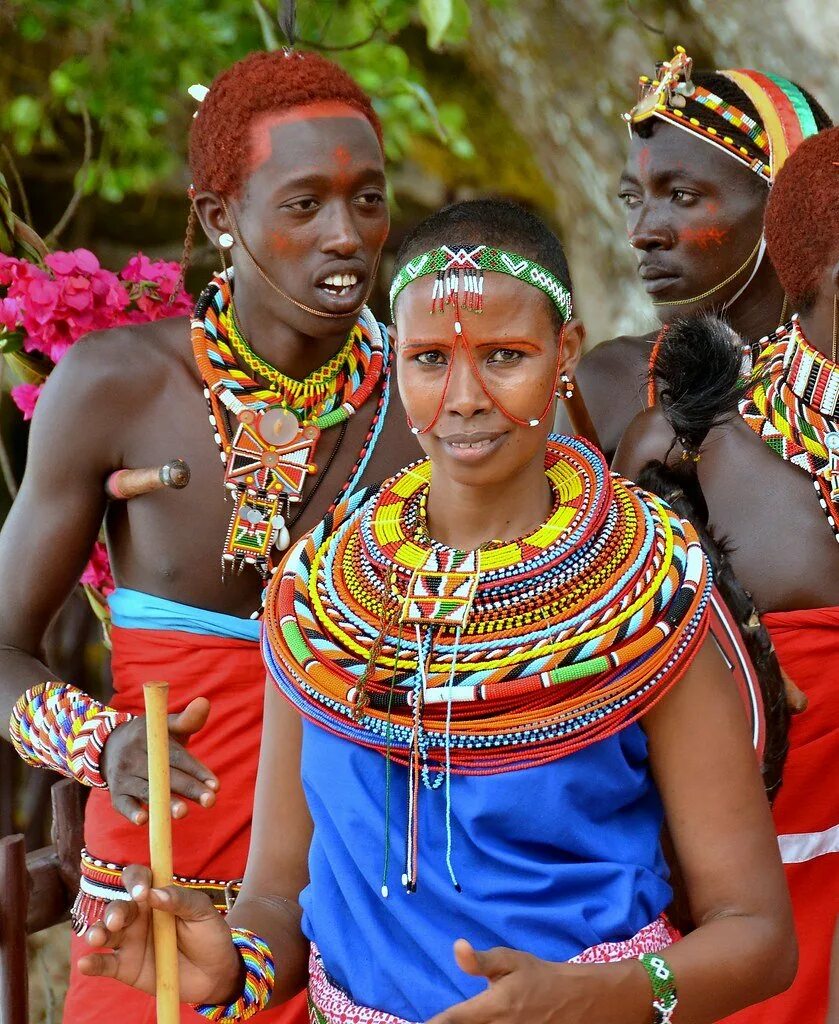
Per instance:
{"type": "Point", "coordinates": [793, 405]}
{"type": "Point", "coordinates": [475, 662]}
{"type": "Point", "coordinates": [268, 454]}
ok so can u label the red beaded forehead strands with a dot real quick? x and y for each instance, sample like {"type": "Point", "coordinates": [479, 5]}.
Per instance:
{"type": "Point", "coordinates": [459, 281]}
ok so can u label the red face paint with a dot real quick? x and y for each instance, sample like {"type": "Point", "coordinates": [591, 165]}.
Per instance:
{"type": "Point", "coordinates": [704, 238]}
{"type": "Point", "coordinates": [261, 128]}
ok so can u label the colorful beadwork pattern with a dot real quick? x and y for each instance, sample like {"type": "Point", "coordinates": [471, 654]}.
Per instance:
{"type": "Point", "coordinates": [572, 632]}
{"type": "Point", "coordinates": [268, 451]}
{"type": "Point", "coordinates": [101, 883]}
{"type": "Point", "coordinates": [58, 726]}
{"type": "Point", "coordinates": [663, 984]}
{"type": "Point", "coordinates": [259, 980]}
{"type": "Point", "coordinates": [460, 270]}
{"type": "Point", "coordinates": [792, 405]}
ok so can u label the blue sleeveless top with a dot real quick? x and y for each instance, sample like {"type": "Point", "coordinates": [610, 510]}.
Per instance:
{"type": "Point", "coordinates": [551, 860]}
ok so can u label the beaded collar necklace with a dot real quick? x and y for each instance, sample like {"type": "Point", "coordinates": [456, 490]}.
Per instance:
{"type": "Point", "coordinates": [267, 435]}
{"type": "Point", "coordinates": [792, 404]}
{"type": "Point", "coordinates": [477, 662]}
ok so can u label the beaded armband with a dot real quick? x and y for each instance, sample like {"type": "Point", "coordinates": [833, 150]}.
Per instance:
{"type": "Point", "coordinates": [664, 987]}
{"type": "Point", "coordinates": [259, 980]}
{"type": "Point", "coordinates": [57, 726]}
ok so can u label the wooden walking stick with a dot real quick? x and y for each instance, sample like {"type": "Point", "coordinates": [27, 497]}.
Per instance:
{"type": "Point", "coordinates": [160, 850]}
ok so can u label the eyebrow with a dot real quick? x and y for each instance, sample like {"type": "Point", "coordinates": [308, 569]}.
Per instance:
{"type": "Point", "coordinates": [317, 176]}
{"type": "Point", "coordinates": [485, 343]}
{"type": "Point", "coordinates": [660, 178]}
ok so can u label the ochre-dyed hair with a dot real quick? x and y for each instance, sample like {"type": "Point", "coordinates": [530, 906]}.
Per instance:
{"type": "Point", "coordinates": [802, 217]}
{"type": "Point", "coordinates": [261, 83]}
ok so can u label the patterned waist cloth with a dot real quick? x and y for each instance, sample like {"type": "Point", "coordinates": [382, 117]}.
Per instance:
{"type": "Point", "coordinates": [101, 882]}
{"type": "Point", "coordinates": [330, 1004]}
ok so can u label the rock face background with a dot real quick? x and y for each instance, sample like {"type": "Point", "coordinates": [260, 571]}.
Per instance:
{"type": "Point", "coordinates": [564, 71]}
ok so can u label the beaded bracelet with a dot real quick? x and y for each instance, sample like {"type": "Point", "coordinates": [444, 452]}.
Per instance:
{"type": "Point", "coordinates": [664, 987]}
{"type": "Point", "coordinates": [259, 980]}
{"type": "Point", "coordinates": [58, 726]}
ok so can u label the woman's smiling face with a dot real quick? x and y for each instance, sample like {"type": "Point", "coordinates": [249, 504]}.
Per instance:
{"type": "Point", "coordinates": [473, 393]}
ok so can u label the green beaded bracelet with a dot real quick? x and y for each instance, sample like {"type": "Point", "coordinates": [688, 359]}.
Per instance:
{"type": "Point", "coordinates": [664, 986]}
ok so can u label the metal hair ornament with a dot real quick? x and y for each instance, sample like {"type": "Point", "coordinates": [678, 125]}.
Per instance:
{"type": "Point", "coordinates": [459, 277]}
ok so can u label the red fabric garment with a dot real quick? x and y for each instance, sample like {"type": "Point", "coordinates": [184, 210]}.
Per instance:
{"type": "Point", "coordinates": [807, 643]}
{"type": "Point", "coordinates": [210, 844]}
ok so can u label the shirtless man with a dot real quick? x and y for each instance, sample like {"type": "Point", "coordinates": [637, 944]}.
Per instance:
{"type": "Point", "coordinates": [289, 184]}
{"type": "Point", "coordinates": [768, 477]}
{"type": "Point", "coordinates": [694, 206]}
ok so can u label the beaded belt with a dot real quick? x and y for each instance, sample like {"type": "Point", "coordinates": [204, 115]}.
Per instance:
{"type": "Point", "coordinates": [330, 1004]}
{"type": "Point", "coordinates": [101, 883]}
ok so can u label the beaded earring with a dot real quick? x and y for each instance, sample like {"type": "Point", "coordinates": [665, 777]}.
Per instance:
{"type": "Point", "coordinates": [569, 386]}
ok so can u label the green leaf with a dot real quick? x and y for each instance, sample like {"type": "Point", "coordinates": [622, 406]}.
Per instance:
{"type": "Point", "coordinates": [436, 15]}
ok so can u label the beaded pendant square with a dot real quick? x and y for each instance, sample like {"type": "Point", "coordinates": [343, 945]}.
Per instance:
{"type": "Point", "coordinates": [254, 526]}
{"type": "Point", "coordinates": [441, 591]}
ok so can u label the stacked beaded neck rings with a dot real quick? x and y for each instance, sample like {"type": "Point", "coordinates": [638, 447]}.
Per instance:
{"type": "Point", "coordinates": [459, 281]}
{"type": "Point", "coordinates": [267, 432]}
{"type": "Point", "coordinates": [793, 404]}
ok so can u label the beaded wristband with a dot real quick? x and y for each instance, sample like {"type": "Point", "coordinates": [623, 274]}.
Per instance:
{"type": "Point", "coordinates": [58, 726]}
{"type": "Point", "coordinates": [259, 980]}
{"type": "Point", "coordinates": [664, 987]}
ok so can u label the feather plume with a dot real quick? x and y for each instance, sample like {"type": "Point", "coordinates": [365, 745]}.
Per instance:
{"type": "Point", "coordinates": [698, 376]}
{"type": "Point", "coordinates": [287, 19]}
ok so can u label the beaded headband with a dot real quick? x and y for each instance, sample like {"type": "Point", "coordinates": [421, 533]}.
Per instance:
{"type": "Point", "coordinates": [782, 106]}
{"type": "Point", "coordinates": [460, 277]}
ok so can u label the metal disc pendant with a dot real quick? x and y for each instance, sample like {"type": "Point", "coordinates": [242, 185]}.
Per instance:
{"type": "Point", "coordinates": [278, 427]}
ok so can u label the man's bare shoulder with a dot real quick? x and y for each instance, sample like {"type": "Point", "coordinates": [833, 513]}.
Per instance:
{"type": "Point", "coordinates": [612, 378]}
{"type": "Point", "coordinates": [122, 363]}
{"type": "Point", "coordinates": [649, 437]}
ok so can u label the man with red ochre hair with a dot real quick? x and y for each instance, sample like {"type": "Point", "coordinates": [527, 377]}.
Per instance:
{"type": "Point", "coordinates": [770, 480]}
{"type": "Point", "coordinates": [292, 371]}
{"type": "Point", "coordinates": [704, 149]}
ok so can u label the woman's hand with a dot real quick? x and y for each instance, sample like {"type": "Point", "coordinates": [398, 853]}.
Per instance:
{"type": "Point", "coordinates": [125, 765]}
{"type": "Point", "coordinates": [523, 988]}
{"type": "Point", "coordinates": [209, 966]}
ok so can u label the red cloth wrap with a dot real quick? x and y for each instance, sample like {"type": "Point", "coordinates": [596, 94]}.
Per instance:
{"type": "Point", "coordinates": [807, 643]}
{"type": "Point", "coordinates": [210, 844]}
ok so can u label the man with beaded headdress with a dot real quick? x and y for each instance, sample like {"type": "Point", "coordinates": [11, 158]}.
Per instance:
{"type": "Point", "coordinates": [704, 150]}
{"type": "Point", "coordinates": [489, 682]}
{"type": "Point", "coordinates": [292, 370]}
{"type": "Point", "coordinates": [759, 459]}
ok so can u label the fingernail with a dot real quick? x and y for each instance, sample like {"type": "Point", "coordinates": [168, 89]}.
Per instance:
{"type": "Point", "coordinates": [138, 891]}
{"type": "Point", "coordinates": [109, 920]}
{"type": "Point", "coordinates": [211, 783]}
{"type": "Point", "coordinates": [161, 894]}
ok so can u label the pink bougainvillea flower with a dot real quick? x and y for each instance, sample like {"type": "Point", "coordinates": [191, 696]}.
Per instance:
{"type": "Point", "coordinates": [76, 261]}
{"type": "Point", "coordinates": [25, 396]}
{"type": "Point", "coordinates": [10, 313]}
{"type": "Point", "coordinates": [97, 572]}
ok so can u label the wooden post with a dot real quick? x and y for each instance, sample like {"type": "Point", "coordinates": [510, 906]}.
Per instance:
{"type": "Point", "coordinates": [14, 896]}
{"type": "Point", "coordinates": [160, 850]}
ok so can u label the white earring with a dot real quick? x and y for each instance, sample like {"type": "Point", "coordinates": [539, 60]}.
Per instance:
{"type": "Point", "coordinates": [225, 240]}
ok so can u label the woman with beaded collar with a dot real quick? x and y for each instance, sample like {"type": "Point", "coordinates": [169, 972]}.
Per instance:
{"type": "Point", "coordinates": [492, 676]}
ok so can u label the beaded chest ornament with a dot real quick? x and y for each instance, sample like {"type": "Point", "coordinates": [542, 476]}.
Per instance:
{"type": "Point", "coordinates": [793, 405]}
{"type": "Point", "coordinates": [268, 454]}
{"type": "Point", "coordinates": [475, 662]}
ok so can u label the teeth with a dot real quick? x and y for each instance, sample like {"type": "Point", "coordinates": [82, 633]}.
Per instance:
{"type": "Point", "coordinates": [470, 444]}
{"type": "Point", "coordinates": [341, 280]}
